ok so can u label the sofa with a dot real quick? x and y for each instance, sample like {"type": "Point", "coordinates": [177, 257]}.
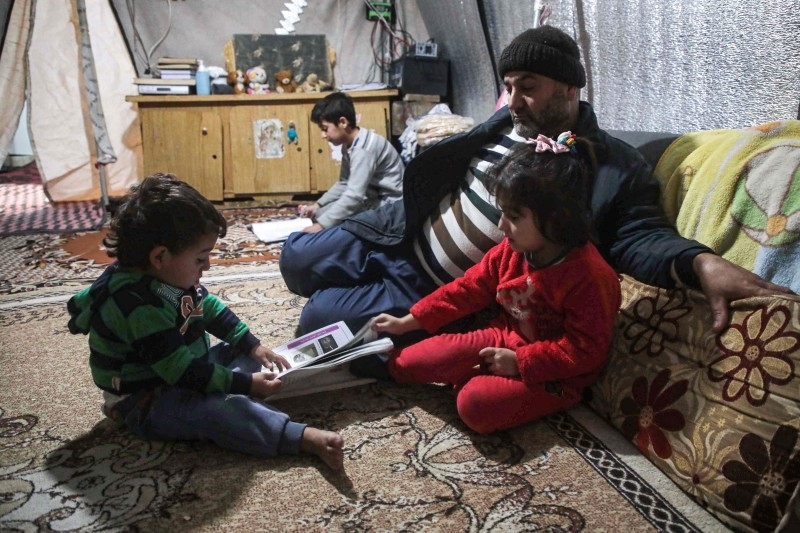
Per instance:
{"type": "Point", "coordinates": [719, 414]}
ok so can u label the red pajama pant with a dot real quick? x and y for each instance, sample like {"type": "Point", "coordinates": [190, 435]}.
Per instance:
{"type": "Point", "coordinates": [485, 402]}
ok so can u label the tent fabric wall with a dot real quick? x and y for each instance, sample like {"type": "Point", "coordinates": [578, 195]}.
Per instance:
{"type": "Point", "coordinates": [672, 65]}
{"type": "Point", "coordinates": [61, 126]}
{"type": "Point", "coordinates": [201, 29]}
{"type": "Point", "coordinates": [13, 72]}
{"type": "Point", "coordinates": [651, 65]}
{"type": "Point", "coordinates": [666, 65]}
{"type": "Point", "coordinates": [459, 30]}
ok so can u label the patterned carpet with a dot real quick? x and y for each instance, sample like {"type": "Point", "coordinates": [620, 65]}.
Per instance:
{"type": "Point", "coordinates": [32, 261]}
{"type": "Point", "coordinates": [410, 465]}
{"type": "Point", "coordinates": [25, 208]}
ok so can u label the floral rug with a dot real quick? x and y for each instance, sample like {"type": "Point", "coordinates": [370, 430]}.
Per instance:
{"type": "Point", "coordinates": [39, 260]}
{"type": "Point", "coordinates": [410, 464]}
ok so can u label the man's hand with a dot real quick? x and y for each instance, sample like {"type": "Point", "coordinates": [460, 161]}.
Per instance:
{"type": "Point", "coordinates": [723, 281]}
{"type": "Point", "coordinates": [499, 361]}
{"type": "Point", "coordinates": [269, 359]}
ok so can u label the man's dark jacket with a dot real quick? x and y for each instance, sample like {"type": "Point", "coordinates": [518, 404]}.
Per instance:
{"type": "Point", "coordinates": [634, 235]}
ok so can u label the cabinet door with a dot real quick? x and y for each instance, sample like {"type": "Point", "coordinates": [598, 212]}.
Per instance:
{"type": "Point", "coordinates": [184, 142]}
{"type": "Point", "coordinates": [264, 160]}
{"type": "Point", "coordinates": [324, 170]}
{"type": "Point", "coordinates": [374, 115]}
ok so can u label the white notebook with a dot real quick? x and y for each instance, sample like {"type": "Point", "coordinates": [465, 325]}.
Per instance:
{"type": "Point", "coordinates": [278, 230]}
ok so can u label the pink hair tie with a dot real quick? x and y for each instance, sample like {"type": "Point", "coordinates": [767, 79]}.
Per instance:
{"type": "Point", "coordinates": [565, 143]}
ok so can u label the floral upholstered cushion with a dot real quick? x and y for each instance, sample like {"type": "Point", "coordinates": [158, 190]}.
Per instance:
{"type": "Point", "coordinates": [719, 414]}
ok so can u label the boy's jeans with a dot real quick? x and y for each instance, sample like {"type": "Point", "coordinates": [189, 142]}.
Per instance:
{"type": "Point", "coordinates": [232, 421]}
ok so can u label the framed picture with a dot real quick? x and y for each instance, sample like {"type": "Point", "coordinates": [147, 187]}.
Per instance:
{"type": "Point", "coordinates": [302, 54]}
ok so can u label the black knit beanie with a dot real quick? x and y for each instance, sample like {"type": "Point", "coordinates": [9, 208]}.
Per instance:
{"type": "Point", "coordinates": [545, 50]}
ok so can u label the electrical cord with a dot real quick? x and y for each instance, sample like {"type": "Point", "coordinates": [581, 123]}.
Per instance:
{"type": "Point", "coordinates": [137, 38]}
{"type": "Point", "coordinates": [129, 4]}
{"type": "Point", "coordinates": [399, 41]}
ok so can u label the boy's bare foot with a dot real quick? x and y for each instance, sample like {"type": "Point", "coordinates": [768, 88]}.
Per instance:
{"type": "Point", "coordinates": [329, 446]}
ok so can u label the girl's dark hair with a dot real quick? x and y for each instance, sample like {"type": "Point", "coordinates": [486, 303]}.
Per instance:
{"type": "Point", "coordinates": [332, 107]}
{"type": "Point", "coordinates": [557, 188]}
{"type": "Point", "coordinates": [160, 211]}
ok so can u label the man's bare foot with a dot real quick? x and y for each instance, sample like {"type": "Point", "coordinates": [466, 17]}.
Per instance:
{"type": "Point", "coordinates": [329, 446]}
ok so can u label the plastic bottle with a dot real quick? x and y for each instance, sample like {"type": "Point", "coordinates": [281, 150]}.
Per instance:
{"type": "Point", "coordinates": [203, 79]}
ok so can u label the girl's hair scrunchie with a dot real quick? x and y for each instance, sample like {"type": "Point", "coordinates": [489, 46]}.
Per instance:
{"type": "Point", "coordinates": [564, 143]}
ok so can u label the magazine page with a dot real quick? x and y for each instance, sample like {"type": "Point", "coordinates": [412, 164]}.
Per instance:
{"type": "Point", "coordinates": [301, 373]}
{"type": "Point", "coordinates": [298, 377]}
{"type": "Point", "coordinates": [365, 334]}
{"type": "Point", "coordinates": [338, 377]}
{"type": "Point", "coordinates": [305, 349]}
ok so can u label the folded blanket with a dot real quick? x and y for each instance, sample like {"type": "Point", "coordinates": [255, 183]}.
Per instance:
{"type": "Point", "coordinates": [738, 192]}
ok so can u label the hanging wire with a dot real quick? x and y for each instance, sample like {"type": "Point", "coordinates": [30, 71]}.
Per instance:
{"type": "Point", "coordinates": [388, 44]}
{"type": "Point", "coordinates": [137, 38]}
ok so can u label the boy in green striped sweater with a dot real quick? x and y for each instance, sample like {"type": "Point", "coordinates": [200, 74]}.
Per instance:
{"type": "Point", "coordinates": [148, 319]}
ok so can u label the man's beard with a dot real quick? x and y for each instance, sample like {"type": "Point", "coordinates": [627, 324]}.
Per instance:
{"type": "Point", "coordinates": [550, 120]}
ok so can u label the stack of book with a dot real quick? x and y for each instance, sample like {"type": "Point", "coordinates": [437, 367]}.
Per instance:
{"type": "Point", "coordinates": [171, 75]}
{"type": "Point", "coordinates": [180, 68]}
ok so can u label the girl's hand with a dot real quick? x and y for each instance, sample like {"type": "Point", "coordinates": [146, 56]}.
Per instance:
{"type": "Point", "coordinates": [269, 359]}
{"type": "Point", "coordinates": [499, 361]}
{"type": "Point", "coordinates": [385, 323]}
{"type": "Point", "coordinates": [264, 384]}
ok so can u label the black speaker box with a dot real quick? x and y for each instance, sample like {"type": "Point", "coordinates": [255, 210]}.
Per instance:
{"type": "Point", "coordinates": [421, 75]}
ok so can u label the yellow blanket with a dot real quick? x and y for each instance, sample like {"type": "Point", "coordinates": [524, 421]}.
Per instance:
{"type": "Point", "coordinates": [738, 192]}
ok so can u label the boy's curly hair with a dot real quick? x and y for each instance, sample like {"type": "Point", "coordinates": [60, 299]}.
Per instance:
{"type": "Point", "coordinates": [160, 211]}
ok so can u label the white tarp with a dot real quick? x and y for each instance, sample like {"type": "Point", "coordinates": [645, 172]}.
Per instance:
{"type": "Point", "coordinates": [12, 73]}
{"type": "Point", "coordinates": [62, 132]}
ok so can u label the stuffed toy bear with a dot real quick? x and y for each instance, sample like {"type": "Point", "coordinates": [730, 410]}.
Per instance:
{"type": "Point", "coordinates": [237, 81]}
{"type": "Point", "coordinates": [285, 82]}
{"type": "Point", "coordinates": [256, 81]}
{"type": "Point", "coordinates": [313, 84]}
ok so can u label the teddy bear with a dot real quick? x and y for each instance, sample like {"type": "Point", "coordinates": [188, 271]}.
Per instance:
{"type": "Point", "coordinates": [256, 81]}
{"type": "Point", "coordinates": [313, 84]}
{"type": "Point", "coordinates": [285, 82]}
{"type": "Point", "coordinates": [237, 81]}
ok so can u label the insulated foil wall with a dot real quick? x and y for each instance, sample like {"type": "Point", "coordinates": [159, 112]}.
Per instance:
{"type": "Point", "coordinates": [673, 65]}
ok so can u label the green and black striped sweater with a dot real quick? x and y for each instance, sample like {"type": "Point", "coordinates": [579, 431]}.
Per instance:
{"type": "Point", "coordinates": [144, 334]}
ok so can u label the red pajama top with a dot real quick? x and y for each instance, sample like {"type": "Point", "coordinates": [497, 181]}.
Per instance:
{"type": "Point", "coordinates": [565, 310]}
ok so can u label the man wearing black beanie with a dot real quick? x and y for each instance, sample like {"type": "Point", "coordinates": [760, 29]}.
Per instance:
{"type": "Point", "coordinates": [384, 260]}
{"type": "Point", "coordinates": [544, 52]}
{"type": "Point", "coordinates": [547, 51]}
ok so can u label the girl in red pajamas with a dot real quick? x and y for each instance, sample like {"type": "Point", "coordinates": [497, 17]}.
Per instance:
{"type": "Point", "coordinates": [558, 298]}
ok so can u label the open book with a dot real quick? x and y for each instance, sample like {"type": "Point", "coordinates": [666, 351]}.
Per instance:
{"type": "Point", "coordinates": [278, 230]}
{"type": "Point", "coordinates": [319, 359]}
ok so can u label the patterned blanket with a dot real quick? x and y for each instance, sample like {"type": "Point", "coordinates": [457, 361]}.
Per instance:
{"type": "Point", "coordinates": [738, 192]}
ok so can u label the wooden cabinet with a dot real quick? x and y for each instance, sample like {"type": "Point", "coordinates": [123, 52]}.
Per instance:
{"type": "Point", "coordinates": [230, 146]}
